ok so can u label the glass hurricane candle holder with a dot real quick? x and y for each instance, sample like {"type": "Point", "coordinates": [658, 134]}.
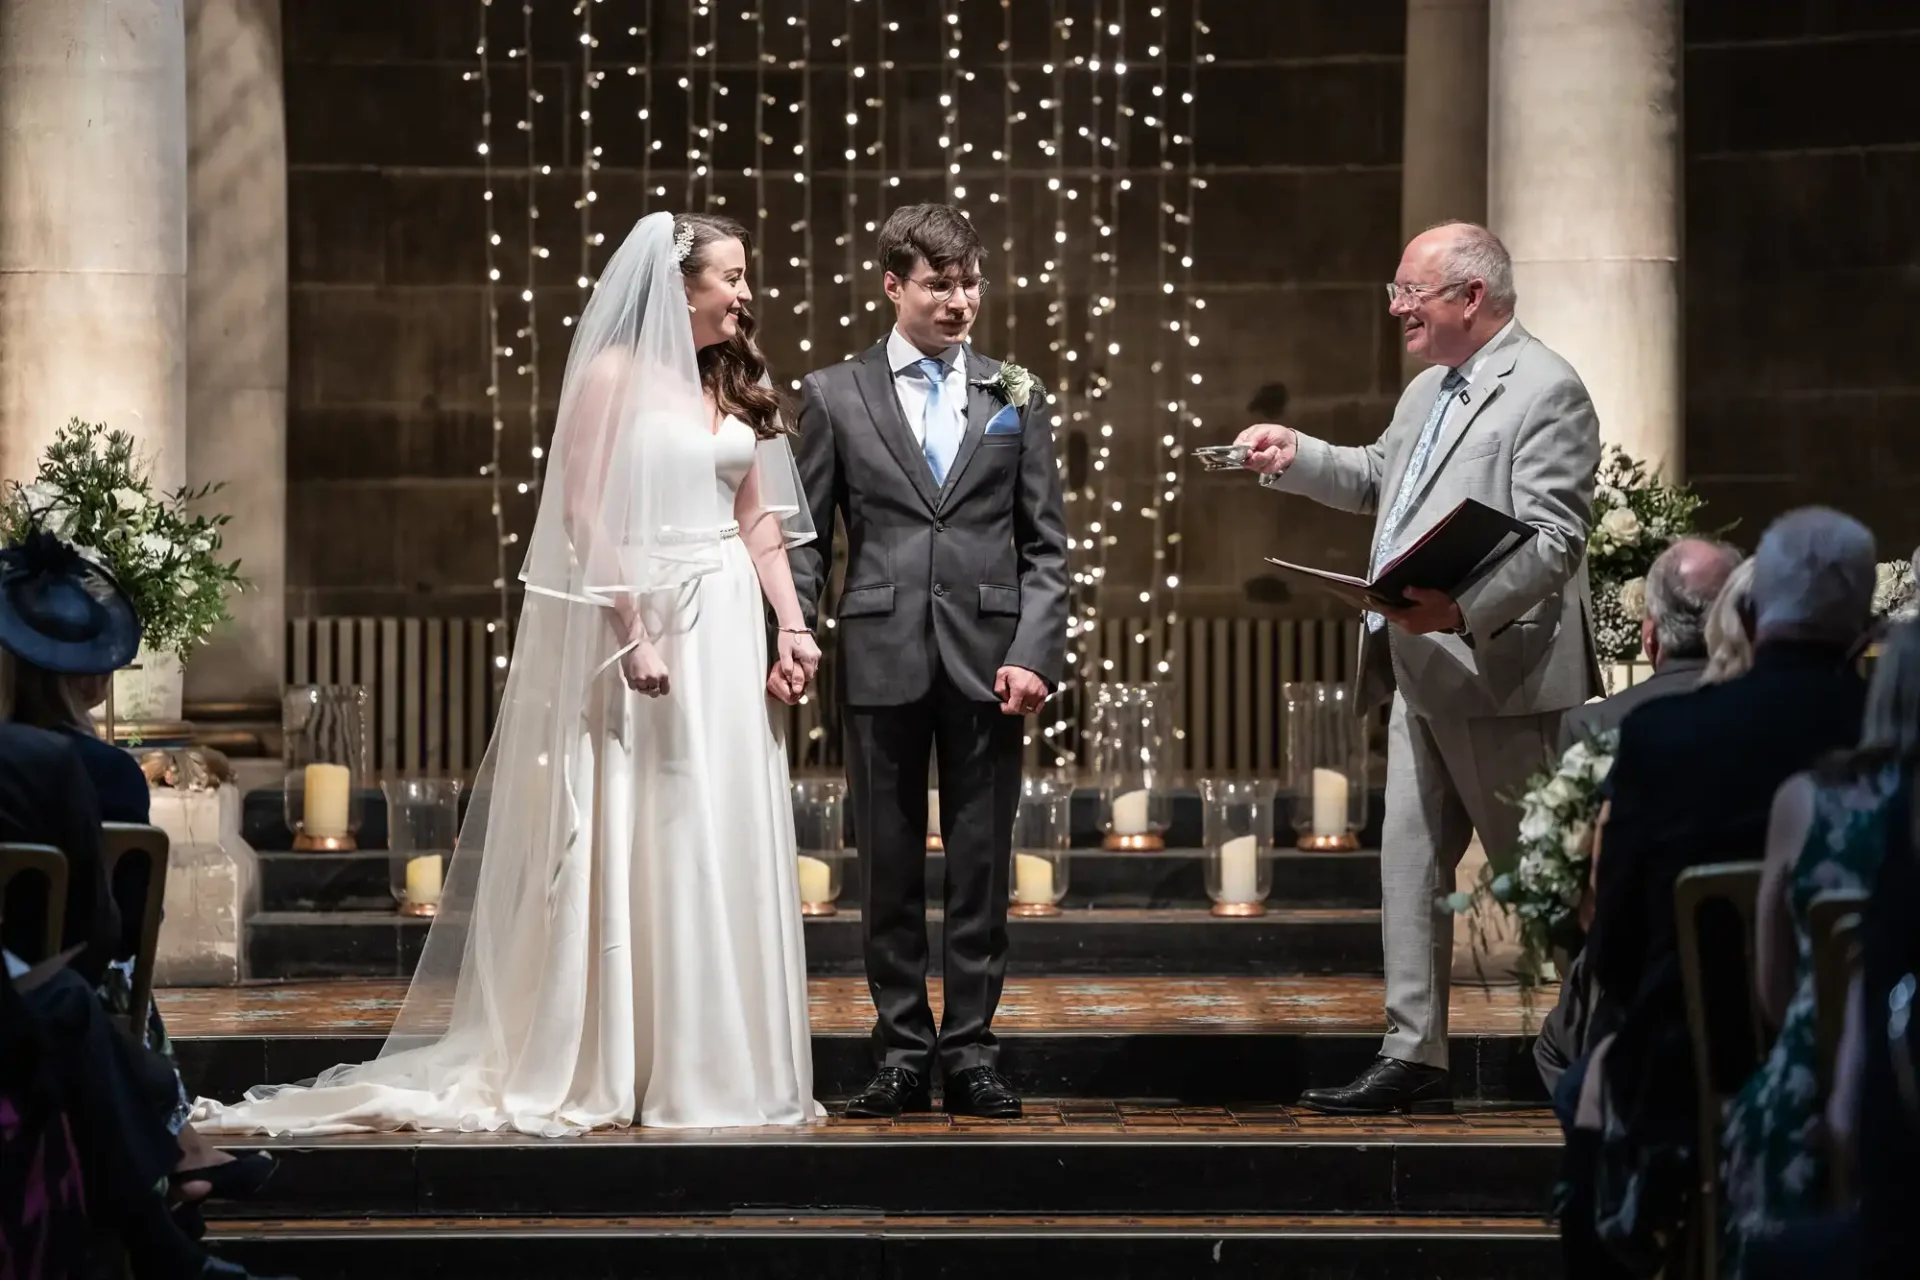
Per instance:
{"type": "Point", "coordinates": [819, 830]}
{"type": "Point", "coordinates": [1042, 834]}
{"type": "Point", "coordinates": [1326, 764]}
{"type": "Point", "coordinates": [1238, 834]}
{"type": "Point", "coordinates": [1133, 738]}
{"type": "Point", "coordinates": [328, 751]}
{"type": "Point", "coordinates": [423, 822]}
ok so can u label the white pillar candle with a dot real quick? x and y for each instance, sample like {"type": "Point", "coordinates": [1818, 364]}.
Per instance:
{"type": "Point", "coordinates": [816, 880]}
{"type": "Point", "coordinates": [1032, 879]}
{"type": "Point", "coordinates": [325, 805]}
{"type": "Point", "coordinates": [423, 880]}
{"type": "Point", "coordinates": [1240, 870]}
{"type": "Point", "coordinates": [933, 813]}
{"type": "Point", "coordinates": [1130, 814]}
{"type": "Point", "coordinates": [1329, 802]}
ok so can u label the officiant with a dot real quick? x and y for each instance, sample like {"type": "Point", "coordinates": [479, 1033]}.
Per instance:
{"type": "Point", "coordinates": [1478, 683]}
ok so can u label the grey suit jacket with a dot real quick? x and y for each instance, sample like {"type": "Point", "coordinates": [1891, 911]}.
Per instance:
{"type": "Point", "coordinates": [963, 578]}
{"type": "Point", "coordinates": [1675, 676]}
{"type": "Point", "coordinates": [1524, 441]}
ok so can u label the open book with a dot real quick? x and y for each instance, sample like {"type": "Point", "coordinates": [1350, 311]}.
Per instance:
{"type": "Point", "coordinates": [1462, 548]}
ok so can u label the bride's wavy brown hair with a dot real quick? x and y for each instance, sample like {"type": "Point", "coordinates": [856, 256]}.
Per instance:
{"type": "Point", "coordinates": [733, 371]}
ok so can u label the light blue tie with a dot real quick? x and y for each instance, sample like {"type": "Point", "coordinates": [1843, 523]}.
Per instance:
{"type": "Point", "coordinates": [937, 426]}
{"type": "Point", "coordinates": [1410, 481]}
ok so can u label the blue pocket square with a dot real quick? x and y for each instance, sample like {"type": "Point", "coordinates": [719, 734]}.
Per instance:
{"type": "Point", "coordinates": [1005, 423]}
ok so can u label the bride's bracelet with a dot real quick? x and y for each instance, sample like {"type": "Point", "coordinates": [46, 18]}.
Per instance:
{"type": "Point", "coordinates": [796, 631]}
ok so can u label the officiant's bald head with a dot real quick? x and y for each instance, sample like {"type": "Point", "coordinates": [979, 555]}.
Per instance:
{"type": "Point", "coordinates": [1452, 292]}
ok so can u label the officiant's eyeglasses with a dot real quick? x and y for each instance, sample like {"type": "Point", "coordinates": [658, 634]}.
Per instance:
{"type": "Point", "coordinates": [1415, 293]}
{"type": "Point", "coordinates": [942, 290]}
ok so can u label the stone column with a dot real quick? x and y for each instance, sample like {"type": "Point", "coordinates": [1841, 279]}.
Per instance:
{"type": "Point", "coordinates": [1443, 154]}
{"type": "Point", "coordinates": [237, 327]}
{"type": "Point", "coordinates": [93, 231]}
{"type": "Point", "coordinates": [1585, 188]}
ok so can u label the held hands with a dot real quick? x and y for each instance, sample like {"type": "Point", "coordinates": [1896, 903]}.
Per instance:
{"type": "Point", "coordinates": [1430, 611]}
{"type": "Point", "coordinates": [643, 670]}
{"type": "Point", "coordinates": [1021, 692]}
{"type": "Point", "coordinates": [1273, 447]}
{"type": "Point", "coordinates": [795, 667]}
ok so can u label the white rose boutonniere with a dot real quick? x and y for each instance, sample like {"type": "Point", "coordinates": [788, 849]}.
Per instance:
{"type": "Point", "coordinates": [1013, 384]}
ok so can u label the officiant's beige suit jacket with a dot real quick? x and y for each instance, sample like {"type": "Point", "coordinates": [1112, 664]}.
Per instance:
{"type": "Point", "coordinates": [1523, 440]}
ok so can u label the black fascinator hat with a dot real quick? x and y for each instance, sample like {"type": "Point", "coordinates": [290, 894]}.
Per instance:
{"type": "Point", "coordinates": [61, 611]}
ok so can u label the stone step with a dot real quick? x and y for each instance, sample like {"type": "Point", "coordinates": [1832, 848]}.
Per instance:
{"type": "Point", "coordinates": [1081, 1157]}
{"type": "Point", "coordinates": [1095, 878]}
{"type": "Point", "coordinates": [1113, 942]}
{"type": "Point", "coordinates": [1212, 1041]}
{"type": "Point", "coordinates": [894, 1247]}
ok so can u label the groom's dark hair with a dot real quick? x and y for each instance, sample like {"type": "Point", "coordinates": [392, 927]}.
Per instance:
{"type": "Point", "coordinates": [939, 234]}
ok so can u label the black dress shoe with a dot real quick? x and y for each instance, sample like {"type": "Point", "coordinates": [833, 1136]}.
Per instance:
{"type": "Point", "coordinates": [983, 1092]}
{"type": "Point", "coordinates": [891, 1091]}
{"type": "Point", "coordinates": [1387, 1086]}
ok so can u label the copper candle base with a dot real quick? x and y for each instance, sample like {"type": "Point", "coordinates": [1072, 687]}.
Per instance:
{"type": "Point", "coordinates": [419, 908]}
{"type": "Point", "coordinates": [305, 843]}
{"type": "Point", "coordinates": [1033, 910]}
{"type": "Point", "coordinates": [1144, 843]}
{"type": "Point", "coordinates": [934, 845]}
{"type": "Point", "coordinates": [818, 909]}
{"type": "Point", "coordinates": [1239, 909]}
{"type": "Point", "coordinates": [1329, 844]}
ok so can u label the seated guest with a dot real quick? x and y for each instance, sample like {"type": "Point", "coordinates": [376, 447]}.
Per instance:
{"type": "Point", "coordinates": [47, 798]}
{"type": "Point", "coordinates": [1729, 639]}
{"type": "Point", "coordinates": [65, 1058]}
{"type": "Point", "coordinates": [63, 703]}
{"type": "Point", "coordinates": [1693, 782]}
{"type": "Point", "coordinates": [1681, 587]}
{"type": "Point", "coordinates": [1827, 832]}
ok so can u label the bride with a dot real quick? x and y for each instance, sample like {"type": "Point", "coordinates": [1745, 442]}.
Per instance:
{"type": "Point", "coordinates": [620, 934]}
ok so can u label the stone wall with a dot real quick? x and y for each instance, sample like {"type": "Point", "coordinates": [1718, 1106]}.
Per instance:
{"type": "Point", "coordinates": [1803, 187]}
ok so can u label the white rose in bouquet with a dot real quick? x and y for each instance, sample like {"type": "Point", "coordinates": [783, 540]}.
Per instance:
{"type": "Point", "coordinates": [1622, 526]}
{"type": "Point", "coordinates": [1536, 823]}
{"type": "Point", "coordinates": [1633, 598]}
{"type": "Point", "coordinates": [1559, 793]}
{"type": "Point", "coordinates": [1573, 842]}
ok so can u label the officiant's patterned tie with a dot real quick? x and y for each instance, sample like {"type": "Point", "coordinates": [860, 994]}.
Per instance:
{"type": "Point", "coordinates": [938, 427]}
{"type": "Point", "coordinates": [1422, 451]}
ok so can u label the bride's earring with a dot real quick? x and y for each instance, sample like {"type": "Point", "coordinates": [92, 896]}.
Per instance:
{"type": "Point", "coordinates": [690, 308]}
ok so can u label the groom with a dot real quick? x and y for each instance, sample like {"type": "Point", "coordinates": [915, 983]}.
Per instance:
{"type": "Point", "coordinates": [952, 626]}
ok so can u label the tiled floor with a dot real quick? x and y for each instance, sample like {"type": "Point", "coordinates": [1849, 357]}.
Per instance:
{"type": "Point", "coordinates": [842, 1006]}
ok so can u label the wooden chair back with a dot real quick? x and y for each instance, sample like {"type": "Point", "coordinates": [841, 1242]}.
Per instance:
{"type": "Point", "coordinates": [21, 866]}
{"type": "Point", "coordinates": [1714, 910]}
{"type": "Point", "coordinates": [136, 861]}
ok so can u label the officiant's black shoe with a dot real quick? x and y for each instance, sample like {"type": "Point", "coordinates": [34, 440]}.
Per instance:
{"type": "Point", "coordinates": [983, 1092]}
{"type": "Point", "coordinates": [1387, 1086]}
{"type": "Point", "coordinates": [892, 1090]}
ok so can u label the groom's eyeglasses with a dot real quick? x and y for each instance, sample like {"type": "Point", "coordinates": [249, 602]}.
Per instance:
{"type": "Point", "coordinates": [942, 290]}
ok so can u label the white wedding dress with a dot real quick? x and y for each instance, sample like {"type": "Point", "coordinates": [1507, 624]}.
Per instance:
{"type": "Point", "coordinates": [665, 976]}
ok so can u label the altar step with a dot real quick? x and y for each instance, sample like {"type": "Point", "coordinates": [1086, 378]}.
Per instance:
{"type": "Point", "coordinates": [899, 1247]}
{"type": "Point", "coordinates": [1200, 1041]}
{"type": "Point", "coordinates": [1093, 941]}
{"type": "Point", "coordinates": [1097, 878]}
{"type": "Point", "coordinates": [1079, 1157]}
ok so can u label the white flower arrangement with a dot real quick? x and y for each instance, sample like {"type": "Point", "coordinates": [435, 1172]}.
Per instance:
{"type": "Point", "coordinates": [1895, 594]}
{"type": "Point", "coordinates": [1013, 384]}
{"type": "Point", "coordinates": [1543, 891]}
{"type": "Point", "coordinates": [1636, 516]}
{"type": "Point", "coordinates": [92, 491]}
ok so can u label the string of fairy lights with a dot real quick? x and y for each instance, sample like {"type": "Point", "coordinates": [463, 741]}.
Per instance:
{"type": "Point", "coordinates": [1097, 144]}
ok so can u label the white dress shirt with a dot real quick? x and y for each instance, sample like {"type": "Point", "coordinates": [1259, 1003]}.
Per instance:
{"type": "Point", "coordinates": [910, 382]}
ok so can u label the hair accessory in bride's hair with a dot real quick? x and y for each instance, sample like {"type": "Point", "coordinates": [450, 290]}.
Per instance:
{"type": "Point", "coordinates": [682, 243]}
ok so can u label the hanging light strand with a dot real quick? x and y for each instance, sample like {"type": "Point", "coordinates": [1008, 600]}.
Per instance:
{"type": "Point", "coordinates": [759, 171]}
{"type": "Point", "coordinates": [643, 71]}
{"type": "Point", "coordinates": [848, 240]}
{"type": "Point", "coordinates": [805, 148]}
{"type": "Point", "coordinates": [589, 153]}
{"type": "Point", "coordinates": [493, 468]}
{"type": "Point", "coordinates": [1008, 313]}
{"type": "Point", "coordinates": [715, 126]}
{"type": "Point", "coordinates": [529, 332]}
{"type": "Point", "coordinates": [1191, 304]}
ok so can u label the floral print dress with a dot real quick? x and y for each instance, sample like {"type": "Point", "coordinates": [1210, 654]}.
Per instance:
{"type": "Point", "coordinates": [1773, 1166]}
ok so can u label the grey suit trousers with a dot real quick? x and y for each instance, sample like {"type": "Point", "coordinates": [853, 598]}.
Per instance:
{"type": "Point", "coordinates": [1447, 777]}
